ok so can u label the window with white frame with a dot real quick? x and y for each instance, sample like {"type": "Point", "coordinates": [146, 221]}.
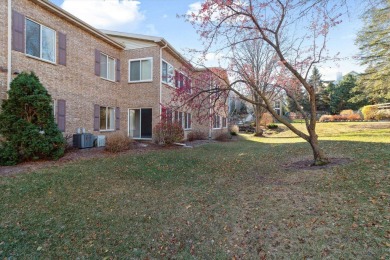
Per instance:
{"type": "Point", "coordinates": [140, 70]}
{"type": "Point", "coordinates": [107, 118]}
{"type": "Point", "coordinates": [277, 107]}
{"type": "Point", "coordinates": [187, 121]}
{"type": "Point", "coordinates": [40, 41]}
{"type": "Point", "coordinates": [181, 118]}
{"type": "Point", "coordinates": [183, 81]}
{"type": "Point", "coordinates": [168, 73]}
{"type": "Point", "coordinates": [217, 121]}
{"type": "Point", "coordinates": [107, 67]}
{"type": "Point", "coordinates": [224, 122]}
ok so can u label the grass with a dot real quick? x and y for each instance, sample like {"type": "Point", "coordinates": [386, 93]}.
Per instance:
{"type": "Point", "coordinates": [216, 201]}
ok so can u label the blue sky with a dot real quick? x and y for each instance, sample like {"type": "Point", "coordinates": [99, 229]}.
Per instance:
{"type": "Point", "coordinates": [159, 18]}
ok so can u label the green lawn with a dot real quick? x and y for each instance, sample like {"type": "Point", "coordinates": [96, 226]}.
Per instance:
{"type": "Point", "coordinates": [216, 201]}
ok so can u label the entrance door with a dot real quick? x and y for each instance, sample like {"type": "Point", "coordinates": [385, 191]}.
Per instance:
{"type": "Point", "coordinates": [140, 123]}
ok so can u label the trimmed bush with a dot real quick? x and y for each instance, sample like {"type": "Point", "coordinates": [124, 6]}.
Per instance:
{"type": "Point", "coordinates": [340, 118]}
{"type": "Point", "coordinates": [382, 114]}
{"type": "Point", "coordinates": [196, 135]}
{"type": "Point", "coordinates": [369, 112]}
{"type": "Point", "coordinates": [167, 133]}
{"type": "Point", "coordinates": [345, 117]}
{"type": "Point", "coordinates": [234, 130]}
{"type": "Point", "coordinates": [346, 112]}
{"type": "Point", "coordinates": [266, 119]}
{"type": "Point", "coordinates": [27, 123]}
{"type": "Point", "coordinates": [326, 118]}
{"type": "Point", "coordinates": [222, 136]}
{"type": "Point", "coordinates": [272, 126]}
{"type": "Point", "coordinates": [354, 117]}
{"type": "Point", "coordinates": [117, 142]}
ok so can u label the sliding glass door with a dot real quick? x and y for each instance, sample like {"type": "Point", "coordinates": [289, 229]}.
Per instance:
{"type": "Point", "coordinates": [140, 123]}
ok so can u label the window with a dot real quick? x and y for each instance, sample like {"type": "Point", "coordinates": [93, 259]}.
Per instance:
{"type": "Point", "coordinates": [167, 73]}
{"type": "Point", "coordinates": [180, 119]}
{"type": "Point", "coordinates": [277, 107]}
{"type": "Point", "coordinates": [107, 67]}
{"type": "Point", "coordinates": [183, 119]}
{"type": "Point", "coordinates": [187, 121]}
{"type": "Point", "coordinates": [217, 121]}
{"type": "Point", "coordinates": [40, 41]}
{"type": "Point", "coordinates": [107, 118]}
{"type": "Point", "coordinates": [224, 122]}
{"type": "Point", "coordinates": [166, 115]}
{"type": "Point", "coordinates": [182, 81]}
{"type": "Point", "coordinates": [140, 70]}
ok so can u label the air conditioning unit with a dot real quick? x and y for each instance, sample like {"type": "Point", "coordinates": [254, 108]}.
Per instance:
{"type": "Point", "coordinates": [82, 141]}
{"type": "Point", "coordinates": [101, 141]}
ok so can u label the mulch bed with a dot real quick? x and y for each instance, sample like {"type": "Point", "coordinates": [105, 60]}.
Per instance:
{"type": "Point", "coordinates": [307, 164]}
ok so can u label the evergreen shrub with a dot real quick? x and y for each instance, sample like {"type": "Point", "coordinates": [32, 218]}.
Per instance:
{"type": "Point", "coordinates": [27, 123]}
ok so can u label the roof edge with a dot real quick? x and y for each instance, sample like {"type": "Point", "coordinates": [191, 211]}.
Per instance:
{"type": "Point", "coordinates": [159, 40]}
{"type": "Point", "coordinates": [62, 13]}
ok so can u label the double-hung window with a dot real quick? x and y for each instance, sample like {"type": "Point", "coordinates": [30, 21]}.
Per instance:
{"type": "Point", "coordinates": [217, 121]}
{"type": "Point", "coordinates": [183, 119]}
{"type": "Point", "coordinates": [187, 121]}
{"type": "Point", "coordinates": [168, 73]}
{"type": "Point", "coordinates": [107, 118]}
{"type": "Point", "coordinates": [107, 67]}
{"type": "Point", "coordinates": [40, 41]}
{"type": "Point", "coordinates": [140, 70]}
{"type": "Point", "coordinates": [224, 122]}
{"type": "Point", "coordinates": [182, 82]}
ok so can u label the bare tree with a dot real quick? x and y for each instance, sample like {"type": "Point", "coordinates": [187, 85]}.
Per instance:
{"type": "Point", "coordinates": [255, 62]}
{"type": "Point", "coordinates": [295, 30]}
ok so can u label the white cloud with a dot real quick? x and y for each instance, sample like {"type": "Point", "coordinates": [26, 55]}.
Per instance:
{"type": "Point", "coordinates": [165, 16]}
{"type": "Point", "coordinates": [194, 8]}
{"type": "Point", "coordinates": [106, 14]}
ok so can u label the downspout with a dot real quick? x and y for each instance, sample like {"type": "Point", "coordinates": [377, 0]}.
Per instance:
{"type": "Point", "coordinates": [210, 113]}
{"type": "Point", "coordinates": [166, 44]}
{"type": "Point", "coordinates": [9, 59]}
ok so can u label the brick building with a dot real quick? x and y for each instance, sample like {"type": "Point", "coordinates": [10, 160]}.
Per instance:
{"type": "Point", "coordinates": [102, 81]}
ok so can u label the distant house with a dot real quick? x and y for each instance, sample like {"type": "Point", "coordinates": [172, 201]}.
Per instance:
{"type": "Point", "coordinates": [339, 78]}
{"type": "Point", "coordinates": [103, 81]}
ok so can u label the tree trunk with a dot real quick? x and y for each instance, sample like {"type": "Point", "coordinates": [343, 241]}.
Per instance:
{"type": "Point", "coordinates": [258, 114]}
{"type": "Point", "coordinates": [319, 156]}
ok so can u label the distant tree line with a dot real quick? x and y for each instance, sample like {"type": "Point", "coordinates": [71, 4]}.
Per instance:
{"type": "Point", "coordinates": [349, 93]}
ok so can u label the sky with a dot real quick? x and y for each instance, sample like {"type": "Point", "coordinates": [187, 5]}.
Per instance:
{"type": "Point", "coordinates": [160, 18]}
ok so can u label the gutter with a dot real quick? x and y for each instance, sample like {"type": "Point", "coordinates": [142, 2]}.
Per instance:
{"type": "Point", "coordinates": [161, 48]}
{"type": "Point", "coordinates": [210, 113]}
{"type": "Point", "coordinates": [73, 19]}
{"type": "Point", "coordinates": [9, 59]}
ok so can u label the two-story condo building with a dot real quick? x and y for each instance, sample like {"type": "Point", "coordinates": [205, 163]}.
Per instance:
{"type": "Point", "coordinates": [102, 81]}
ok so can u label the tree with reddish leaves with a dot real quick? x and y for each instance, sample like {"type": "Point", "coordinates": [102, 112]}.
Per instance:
{"type": "Point", "coordinates": [295, 31]}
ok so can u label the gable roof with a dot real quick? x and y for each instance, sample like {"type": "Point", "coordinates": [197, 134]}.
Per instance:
{"type": "Point", "coordinates": [76, 21]}
{"type": "Point", "coordinates": [152, 39]}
